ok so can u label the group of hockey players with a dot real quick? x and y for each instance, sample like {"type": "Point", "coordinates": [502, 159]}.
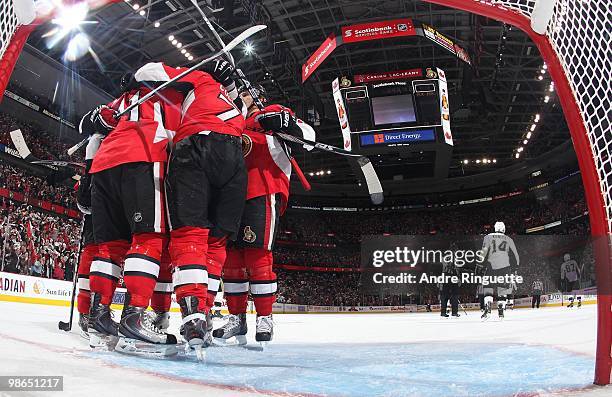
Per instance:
{"type": "Point", "coordinates": [181, 192]}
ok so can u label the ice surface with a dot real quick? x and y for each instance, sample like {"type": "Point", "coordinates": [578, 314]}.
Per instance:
{"type": "Point", "coordinates": [531, 352]}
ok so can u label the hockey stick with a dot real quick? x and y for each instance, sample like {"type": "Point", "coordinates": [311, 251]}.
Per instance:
{"type": "Point", "coordinates": [373, 183]}
{"type": "Point", "coordinates": [67, 326]}
{"type": "Point", "coordinates": [60, 163]}
{"type": "Point", "coordinates": [224, 51]}
{"type": "Point", "coordinates": [298, 171]}
{"type": "Point", "coordinates": [26, 154]}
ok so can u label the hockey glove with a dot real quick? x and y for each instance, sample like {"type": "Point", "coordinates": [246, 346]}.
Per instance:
{"type": "Point", "coordinates": [84, 194]}
{"type": "Point", "coordinates": [221, 70]}
{"type": "Point", "coordinates": [100, 120]}
{"type": "Point", "coordinates": [282, 121]}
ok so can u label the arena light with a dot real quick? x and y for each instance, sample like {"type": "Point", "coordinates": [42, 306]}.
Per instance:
{"type": "Point", "coordinates": [533, 127]}
{"type": "Point", "coordinates": [77, 47]}
{"type": "Point", "coordinates": [190, 57]}
{"type": "Point", "coordinates": [174, 41]}
{"type": "Point", "coordinates": [328, 172]}
{"type": "Point", "coordinates": [142, 13]}
{"type": "Point", "coordinates": [466, 161]}
{"type": "Point", "coordinates": [171, 37]}
{"type": "Point", "coordinates": [528, 135]}
{"type": "Point", "coordinates": [179, 45]}
{"type": "Point", "coordinates": [494, 160]}
{"type": "Point", "coordinates": [248, 48]}
{"type": "Point", "coordinates": [156, 24]}
{"type": "Point", "coordinates": [525, 142]}
{"type": "Point", "coordinates": [136, 6]}
{"type": "Point", "coordinates": [517, 155]}
{"type": "Point", "coordinates": [546, 99]}
{"type": "Point", "coordinates": [540, 77]}
{"type": "Point", "coordinates": [537, 118]}
{"type": "Point", "coordinates": [183, 51]}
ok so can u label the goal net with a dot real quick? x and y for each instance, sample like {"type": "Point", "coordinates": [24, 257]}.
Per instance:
{"type": "Point", "coordinates": [576, 49]}
{"type": "Point", "coordinates": [13, 36]}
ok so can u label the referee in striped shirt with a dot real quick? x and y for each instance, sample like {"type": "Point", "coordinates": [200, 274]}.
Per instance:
{"type": "Point", "coordinates": [537, 288]}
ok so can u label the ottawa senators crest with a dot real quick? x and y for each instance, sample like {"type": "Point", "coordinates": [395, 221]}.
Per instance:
{"type": "Point", "coordinates": [249, 235]}
{"type": "Point", "coordinates": [430, 73]}
{"type": "Point", "coordinates": [345, 82]}
{"type": "Point", "coordinates": [247, 145]}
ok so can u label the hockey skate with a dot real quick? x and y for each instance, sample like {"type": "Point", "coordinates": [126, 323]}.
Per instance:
{"type": "Point", "coordinates": [140, 336]}
{"type": "Point", "coordinates": [102, 330]}
{"type": "Point", "coordinates": [264, 330]}
{"type": "Point", "coordinates": [579, 299]}
{"type": "Point", "coordinates": [159, 319]}
{"type": "Point", "coordinates": [233, 332]}
{"type": "Point", "coordinates": [197, 326]}
{"type": "Point", "coordinates": [486, 312]}
{"type": "Point", "coordinates": [500, 311]}
{"type": "Point", "coordinates": [83, 324]}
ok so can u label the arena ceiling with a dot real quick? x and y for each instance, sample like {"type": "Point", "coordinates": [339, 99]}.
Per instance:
{"type": "Point", "coordinates": [493, 104]}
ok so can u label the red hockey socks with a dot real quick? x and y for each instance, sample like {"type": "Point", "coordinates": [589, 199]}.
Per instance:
{"type": "Point", "coordinates": [235, 282]}
{"type": "Point", "coordinates": [215, 258]}
{"type": "Point", "coordinates": [142, 266]}
{"type": "Point", "coordinates": [84, 296]}
{"type": "Point", "coordinates": [188, 246]}
{"type": "Point", "coordinates": [162, 294]}
{"type": "Point", "coordinates": [106, 269]}
{"type": "Point", "coordinates": [262, 279]}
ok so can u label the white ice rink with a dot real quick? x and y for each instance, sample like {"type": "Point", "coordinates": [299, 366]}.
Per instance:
{"type": "Point", "coordinates": [549, 351]}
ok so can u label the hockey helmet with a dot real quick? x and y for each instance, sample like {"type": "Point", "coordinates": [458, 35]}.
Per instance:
{"type": "Point", "coordinates": [500, 227]}
{"type": "Point", "coordinates": [256, 88]}
{"type": "Point", "coordinates": [127, 82]}
{"type": "Point", "coordinates": [566, 257]}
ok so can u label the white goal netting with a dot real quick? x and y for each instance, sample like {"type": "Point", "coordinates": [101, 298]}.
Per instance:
{"type": "Point", "coordinates": [8, 24]}
{"type": "Point", "coordinates": [580, 34]}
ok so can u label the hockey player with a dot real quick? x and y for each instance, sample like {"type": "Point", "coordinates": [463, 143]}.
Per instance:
{"type": "Point", "coordinates": [205, 186]}
{"type": "Point", "coordinates": [249, 259]}
{"type": "Point", "coordinates": [496, 248]}
{"type": "Point", "coordinates": [570, 278]}
{"type": "Point", "coordinates": [129, 214]}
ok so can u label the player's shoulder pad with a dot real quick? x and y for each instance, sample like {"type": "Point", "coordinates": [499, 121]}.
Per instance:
{"type": "Point", "coordinates": [152, 71]}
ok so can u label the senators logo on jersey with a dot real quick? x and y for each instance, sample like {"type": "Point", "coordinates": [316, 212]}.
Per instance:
{"type": "Point", "coordinates": [247, 145]}
{"type": "Point", "coordinates": [249, 235]}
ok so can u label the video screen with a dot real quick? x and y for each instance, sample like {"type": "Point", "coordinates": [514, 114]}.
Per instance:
{"type": "Point", "coordinates": [393, 109]}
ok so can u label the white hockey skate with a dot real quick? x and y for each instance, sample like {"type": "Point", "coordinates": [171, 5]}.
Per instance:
{"type": "Point", "coordinates": [233, 332]}
{"type": "Point", "coordinates": [264, 330]}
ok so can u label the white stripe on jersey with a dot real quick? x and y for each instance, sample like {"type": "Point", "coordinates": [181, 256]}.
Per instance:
{"type": "Point", "coordinates": [272, 220]}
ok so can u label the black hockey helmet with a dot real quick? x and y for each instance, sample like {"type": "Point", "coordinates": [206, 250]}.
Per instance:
{"type": "Point", "coordinates": [127, 82]}
{"type": "Point", "coordinates": [257, 89]}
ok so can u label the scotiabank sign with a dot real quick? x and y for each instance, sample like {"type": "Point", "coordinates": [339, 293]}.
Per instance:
{"type": "Point", "coordinates": [387, 76]}
{"type": "Point", "coordinates": [328, 46]}
{"type": "Point", "coordinates": [378, 30]}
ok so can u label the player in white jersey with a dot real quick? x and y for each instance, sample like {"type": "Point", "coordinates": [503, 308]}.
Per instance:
{"type": "Point", "coordinates": [496, 249]}
{"type": "Point", "coordinates": [570, 278]}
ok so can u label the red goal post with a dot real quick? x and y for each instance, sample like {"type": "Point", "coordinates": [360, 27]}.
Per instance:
{"type": "Point", "coordinates": [576, 50]}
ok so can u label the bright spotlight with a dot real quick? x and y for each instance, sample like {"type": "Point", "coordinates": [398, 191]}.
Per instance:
{"type": "Point", "coordinates": [70, 18]}
{"type": "Point", "coordinates": [77, 47]}
{"type": "Point", "coordinates": [248, 48]}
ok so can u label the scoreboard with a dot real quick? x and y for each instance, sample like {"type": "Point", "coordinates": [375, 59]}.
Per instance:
{"type": "Point", "coordinates": [397, 112]}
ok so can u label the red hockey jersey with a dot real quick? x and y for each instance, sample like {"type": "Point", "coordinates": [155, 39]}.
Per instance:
{"type": "Point", "coordinates": [268, 167]}
{"type": "Point", "coordinates": [206, 108]}
{"type": "Point", "coordinates": [141, 135]}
